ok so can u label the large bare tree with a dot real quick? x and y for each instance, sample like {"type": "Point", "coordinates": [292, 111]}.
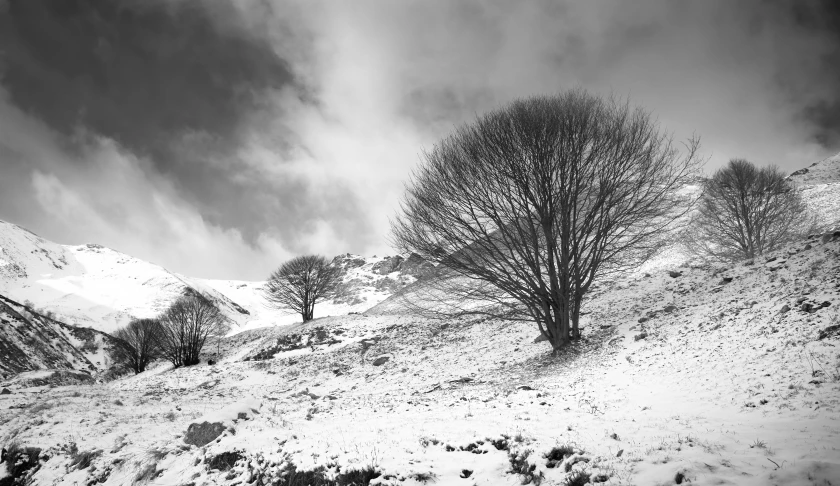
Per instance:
{"type": "Point", "coordinates": [525, 208]}
{"type": "Point", "coordinates": [301, 282]}
{"type": "Point", "coordinates": [137, 344]}
{"type": "Point", "coordinates": [746, 211]}
{"type": "Point", "coordinates": [185, 327]}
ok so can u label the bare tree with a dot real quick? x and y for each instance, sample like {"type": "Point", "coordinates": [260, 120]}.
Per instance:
{"type": "Point", "coordinates": [136, 344]}
{"type": "Point", "coordinates": [185, 327]}
{"type": "Point", "coordinates": [524, 209]}
{"type": "Point", "coordinates": [746, 211]}
{"type": "Point", "coordinates": [300, 282]}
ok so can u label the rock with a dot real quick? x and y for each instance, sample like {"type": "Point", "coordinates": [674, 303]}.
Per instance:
{"type": "Point", "coordinates": [829, 332]}
{"type": "Point", "coordinates": [674, 273]}
{"type": "Point", "coordinates": [669, 308]}
{"type": "Point", "coordinates": [541, 338]}
{"type": "Point", "coordinates": [619, 453]}
{"type": "Point", "coordinates": [606, 326]}
{"type": "Point", "coordinates": [826, 303]}
{"type": "Point", "coordinates": [211, 362]}
{"type": "Point", "coordinates": [381, 360]}
{"type": "Point", "coordinates": [785, 308]}
{"type": "Point", "coordinates": [808, 246]}
{"type": "Point", "coordinates": [725, 280]}
{"type": "Point", "coordinates": [5, 391]}
{"type": "Point", "coordinates": [202, 434]}
{"type": "Point", "coordinates": [524, 387]}
{"type": "Point", "coordinates": [643, 320]}
{"type": "Point", "coordinates": [640, 336]}
{"type": "Point", "coordinates": [388, 265]}
{"type": "Point", "coordinates": [417, 267]}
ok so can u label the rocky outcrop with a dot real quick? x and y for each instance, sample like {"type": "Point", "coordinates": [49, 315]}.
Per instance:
{"type": "Point", "coordinates": [31, 341]}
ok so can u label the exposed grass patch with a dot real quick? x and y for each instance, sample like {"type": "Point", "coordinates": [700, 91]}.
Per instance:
{"type": "Point", "coordinates": [520, 465]}
{"type": "Point", "coordinates": [224, 461]}
{"type": "Point", "coordinates": [21, 461]}
{"type": "Point", "coordinates": [577, 478]}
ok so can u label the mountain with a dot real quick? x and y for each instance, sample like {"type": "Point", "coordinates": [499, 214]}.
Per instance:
{"type": "Point", "coordinates": [30, 340]}
{"type": "Point", "coordinates": [724, 374]}
{"type": "Point", "coordinates": [97, 287]}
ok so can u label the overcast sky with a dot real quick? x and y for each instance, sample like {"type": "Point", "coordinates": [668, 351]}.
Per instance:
{"type": "Point", "coordinates": [218, 138]}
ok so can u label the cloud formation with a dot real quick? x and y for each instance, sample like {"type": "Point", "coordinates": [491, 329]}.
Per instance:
{"type": "Point", "coordinates": [218, 138]}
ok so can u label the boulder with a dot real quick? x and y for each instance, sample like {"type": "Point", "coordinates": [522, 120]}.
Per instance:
{"type": "Point", "coordinates": [201, 434]}
{"type": "Point", "coordinates": [5, 391]}
{"type": "Point", "coordinates": [209, 427]}
{"type": "Point", "coordinates": [669, 308]}
{"type": "Point", "coordinates": [674, 273]}
{"type": "Point", "coordinates": [640, 336]}
{"type": "Point", "coordinates": [381, 360]}
{"type": "Point", "coordinates": [785, 308]}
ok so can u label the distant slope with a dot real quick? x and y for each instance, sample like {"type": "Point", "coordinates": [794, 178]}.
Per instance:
{"type": "Point", "coordinates": [90, 285]}
{"type": "Point", "coordinates": [94, 286]}
{"type": "Point", "coordinates": [820, 186]}
{"type": "Point", "coordinates": [30, 340]}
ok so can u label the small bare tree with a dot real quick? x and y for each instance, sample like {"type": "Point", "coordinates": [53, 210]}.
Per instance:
{"type": "Point", "coordinates": [137, 344]}
{"type": "Point", "coordinates": [185, 327]}
{"type": "Point", "coordinates": [746, 211]}
{"type": "Point", "coordinates": [524, 209]}
{"type": "Point", "coordinates": [302, 281]}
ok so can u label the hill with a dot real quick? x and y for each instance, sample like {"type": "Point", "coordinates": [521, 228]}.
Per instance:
{"type": "Point", "coordinates": [713, 375]}
{"type": "Point", "coordinates": [94, 286]}
{"type": "Point", "coordinates": [30, 341]}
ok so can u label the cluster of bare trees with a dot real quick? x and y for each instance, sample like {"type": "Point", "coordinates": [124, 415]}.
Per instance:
{"type": "Point", "coordinates": [177, 335]}
{"type": "Point", "coordinates": [528, 206]}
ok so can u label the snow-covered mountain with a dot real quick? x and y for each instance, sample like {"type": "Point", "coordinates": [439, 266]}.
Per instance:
{"type": "Point", "coordinates": [94, 286]}
{"type": "Point", "coordinates": [30, 340]}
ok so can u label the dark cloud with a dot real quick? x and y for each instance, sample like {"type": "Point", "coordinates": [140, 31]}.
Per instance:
{"type": "Point", "coordinates": [173, 82]}
{"type": "Point", "coordinates": [290, 126]}
{"type": "Point", "coordinates": [142, 73]}
{"type": "Point", "coordinates": [823, 18]}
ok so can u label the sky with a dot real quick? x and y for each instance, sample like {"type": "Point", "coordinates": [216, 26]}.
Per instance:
{"type": "Point", "coordinates": [220, 138]}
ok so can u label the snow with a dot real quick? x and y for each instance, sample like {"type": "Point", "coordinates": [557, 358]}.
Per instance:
{"type": "Point", "coordinates": [724, 389]}
{"type": "Point", "coordinates": [703, 375]}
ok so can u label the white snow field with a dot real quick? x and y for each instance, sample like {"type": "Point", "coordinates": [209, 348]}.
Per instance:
{"type": "Point", "coordinates": [707, 375]}
{"type": "Point", "coordinates": [732, 377]}
{"type": "Point", "coordinates": [94, 286]}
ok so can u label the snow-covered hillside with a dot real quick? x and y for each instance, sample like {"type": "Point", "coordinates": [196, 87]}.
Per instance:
{"type": "Point", "coordinates": [93, 286]}
{"type": "Point", "coordinates": [702, 376]}
{"type": "Point", "coordinates": [90, 285]}
{"type": "Point", "coordinates": [820, 186]}
{"type": "Point", "coordinates": [29, 340]}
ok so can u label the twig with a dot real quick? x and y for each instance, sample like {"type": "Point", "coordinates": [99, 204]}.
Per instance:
{"type": "Point", "coordinates": [774, 462]}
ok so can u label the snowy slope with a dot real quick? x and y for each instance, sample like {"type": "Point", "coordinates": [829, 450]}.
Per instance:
{"type": "Point", "coordinates": [90, 285]}
{"type": "Point", "coordinates": [94, 286]}
{"type": "Point", "coordinates": [820, 186]}
{"type": "Point", "coordinates": [720, 375]}
{"type": "Point", "coordinates": [29, 341]}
